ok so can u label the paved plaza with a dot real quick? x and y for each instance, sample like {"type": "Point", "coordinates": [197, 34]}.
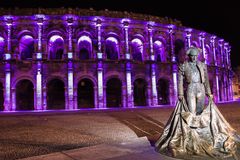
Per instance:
{"type": "Point", "coordinates": [111, 134]}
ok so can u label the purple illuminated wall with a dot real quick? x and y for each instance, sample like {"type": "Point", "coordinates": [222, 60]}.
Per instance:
{"type": "Point", "coordinates": [60, 59]}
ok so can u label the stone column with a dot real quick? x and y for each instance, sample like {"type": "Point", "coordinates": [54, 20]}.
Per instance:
{"type": "Point", "coordinates": [124, 97]}
{"type": "Point", "coordinates": [100, 67]}
{"type": "Point", "coordinates": [153, 95]}
{"type": "Point", "coordinates": [171, 46]}
{"type": "Point", "coordinates": [173, 84]}
{"type": "Point", "coordinates": [105, 97]}
{"type": "Point", "coordinates": [220, 44]}
{"type": "Point", "coordinates": [188, 34]}
{"type": "Point", "coordinates": [70, 66]}
{"type": "Point", "coordinates": [227, 88]}
{"type": "Point", "coordinates": [213, 49]}
{"type": "Point", "coordinates": [226, 58]}
{"type": "Point", "coordinates": [229, 68]}
{"type": "Point", "coordinates": [13, 92]}
{"type": "Point", "coordinates": [229, 58]}
{"type": "Point", "coordinates": [44, 91]}
{"type": "Point", "coordinates": [95, 96]}
{"type": "Point", "coordinates": [75, 97]}
{"type": "Point", "coordinates": [216, 93]}
{"type": "Point", "coordinates": [128, 68]}
{"type": "Point", "coordinates": [66, 97]}
{"type": "Point", "coordinates": [7, 58]}
{"type": "Point", "coordinates": [70, 87]}
{"type": "Point", "coordinates": [202, 41]}
{"type": "Point", "coordinates": [38, 90]}
{"type": "Point", "coordinates": [217, 86]}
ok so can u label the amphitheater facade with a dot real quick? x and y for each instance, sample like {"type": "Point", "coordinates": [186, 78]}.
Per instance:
{"type": "Point", "coordinates": [70, 59]}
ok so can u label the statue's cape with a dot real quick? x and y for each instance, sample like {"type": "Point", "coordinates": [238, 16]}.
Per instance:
{"type": "Point", "coordinates": [191, 136]}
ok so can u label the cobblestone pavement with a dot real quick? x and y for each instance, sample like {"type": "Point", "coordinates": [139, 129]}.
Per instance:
{"type": "Point", "coordinates": [29, 134]}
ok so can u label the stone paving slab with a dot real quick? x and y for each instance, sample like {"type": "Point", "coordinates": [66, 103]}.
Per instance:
{"type": "Point", "coordinates": [135, 149]}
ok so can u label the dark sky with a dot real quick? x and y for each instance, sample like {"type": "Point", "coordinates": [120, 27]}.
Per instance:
{"type": "Point", "coordinates": [215, 17]}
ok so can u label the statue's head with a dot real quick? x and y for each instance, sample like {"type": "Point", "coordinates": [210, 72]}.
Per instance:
{"type": "Point", "coordinates": [192, 53]}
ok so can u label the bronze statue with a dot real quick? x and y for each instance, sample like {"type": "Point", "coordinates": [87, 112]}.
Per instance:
{"type": "Point", "coordinates": [196, 130]}
{"type": "Point", "coordinates": [196, 78]}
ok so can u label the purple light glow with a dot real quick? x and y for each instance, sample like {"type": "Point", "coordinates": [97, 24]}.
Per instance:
{"type": "Point", "coordinates": [7, 97]}
{"type": "Point", "coordinates": [9, 19]}
{"type": "Point", "coordinates": [84, 47]}
{"type": "Point", "coordinates": [112, 48]}
{"type": "Point", "coordinates": [70, 19]}
{"type": "Point", "coordinates": [159, 50]}
{"type": "Point", "coordinates": [84, 38]}
{"type": "Point", "coordinates": [2, 43]}
{"type": "Point", "coordinates": [125, 21]}
{"type": "Point", "coordinates": [26, 47]}
{"type": "Point", "coordinates": [56, 47]}
{"type": "Point", "coordinates": [137, 49]}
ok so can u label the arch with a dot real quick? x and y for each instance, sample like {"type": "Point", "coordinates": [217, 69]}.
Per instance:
{"type": "Point", "coordinates": [163, 91]}
{"type": "Point", "coordinates": [80, 33]}
{"type": "Point", "coordinates": [91, 78]}
{"type": "Point", "coordinates": [159, 51]}
{"type": "Point", "coordinates": [25, 32]}
{"type": "Point", "coordinates": [140, 92]}
{"type": "Point", "coordinates": [26, 47]}
{"type": "Point", "coordinates": [85, 93]}
{"type": "Point", "coordinates": [56, 47]}
{"type": "Point", "coordinates": [14, 83]}
{"type": "Point", "coordinates": [112, 48]}
{"type": "Point", "coordinates": [2, 45]}
{"type": "Point", "coordinates": [179, 50]}
{"type": "Point", "coordinates": [113, 74]}
{"type": "Point", "coordinates": [137, 49]}
{"type": "Point", "coordinates": [55, 94]}
{"type": "Point", "coordinates": [84, 47]}
{"type": "Point", "coordinates": [195, 44]}
{"type": "Point", "coordinates": [114, 92]}
{"type": "Point", "coordinates": [1, 97]}
{"type": "Point", "coordinates": [24, 95]}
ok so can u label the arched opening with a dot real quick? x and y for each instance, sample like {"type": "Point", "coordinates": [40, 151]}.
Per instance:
{"type": "Point", "coordinates": [56, 47]}
{"type": "Point", "coordinates": [1, 97]}
{"type": "Point", "coordinates": [85, 94]}
{"type": "Point", "coordinates": [112, 48]}
{"type": "Point", "coordinates": [1, 48]}
{"type": "Point", "coordinates": [84, 47]}
{"type": "Point", "coordinates": [24, 95]}
{"type": "Point", "coordinates": [179, 50]}
{"type": "Point", "coordinates": [159, 51]}
{"type": "Point", "coordinates": [137, 49]}
{"type": "Point", "coordinates": [140, 92]}
{"type": "Point", "coordinates": [26, 47]}
{"type": "Point", "coordinates": [114, 93]}
{"type": "Point", "coordinates": [83, 54]}
{"type": "Point", "coordinates": [163, 91]}
{"type": "Point", "coordinates": [55, 94]}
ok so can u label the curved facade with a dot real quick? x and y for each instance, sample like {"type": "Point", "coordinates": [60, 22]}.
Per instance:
{"type": "Point", "coordinates": [74, 59]}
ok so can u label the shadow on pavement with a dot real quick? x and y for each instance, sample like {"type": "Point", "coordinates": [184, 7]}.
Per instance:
{"type": "Point", "coordinates": [141, 124]}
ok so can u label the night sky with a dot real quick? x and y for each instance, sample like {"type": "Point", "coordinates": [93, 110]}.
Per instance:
{"type": "Point", "coordinates": [215, 17]}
